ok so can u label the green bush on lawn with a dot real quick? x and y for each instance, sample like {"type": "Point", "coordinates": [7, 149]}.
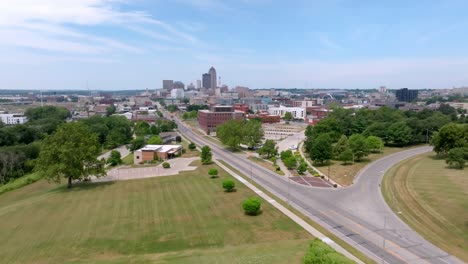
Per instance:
{"type": "Point", "coordinates": [319, 253]}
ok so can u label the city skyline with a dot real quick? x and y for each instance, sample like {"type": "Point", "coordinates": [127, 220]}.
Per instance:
{"type": "Point", "coordinates": [259, 44]}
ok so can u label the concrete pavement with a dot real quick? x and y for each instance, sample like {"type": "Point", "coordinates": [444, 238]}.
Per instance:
{"type": "Point", "coordinates": [357, 213]}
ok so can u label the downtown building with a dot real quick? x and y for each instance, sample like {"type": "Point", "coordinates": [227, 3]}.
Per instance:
{"type": "Point", "coordinates": [209, 79]}
{"type": "Point", "coordinates": [208, 120]}
{"type": "Point", "coordinates": [297, 112]}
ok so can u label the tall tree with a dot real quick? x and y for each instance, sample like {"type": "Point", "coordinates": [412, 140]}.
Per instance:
{"type": "Point", "coordinates": [321, 151]}
{"type": "Point", "coordinates": [358, 145]}
{"type": "Point", "coordinates": [340, 146]}
{"type": "Point", "coordinates": [252, 133]}
{"type": "Point", "coordinates": [142, 128]}
{"type": "Point", "coordinates": [288, 116]}
{"type": "Point", "coordinates": [268, 149]}
{"type": "Point", "coordinates": [71, 153]}
{"type": "Point", "coordinates": [399, 134]}
{"type": "Point", "coordinates": [231, 133]}
{"type": "Point", "coordinates": [375, 144]}
{"type": "Point", "coordinates": [206, 155]}
{"type": "Point", "coordinates": [450, 136]}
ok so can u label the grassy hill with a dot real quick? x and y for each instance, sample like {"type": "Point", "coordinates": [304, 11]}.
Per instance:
{"type": "Point", "coordinates": [177, 219]}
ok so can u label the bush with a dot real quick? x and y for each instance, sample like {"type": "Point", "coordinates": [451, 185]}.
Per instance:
{"type": "Point", "coordinates": [192, 146]}
{"type": "Point", "coordinates": [319, 252]}
{"type": "Point", "coordinates": [229, 185]}
{"type": "Point", "coordinates": [166, 165]}
{"type": "Point", "coordinates": [316, 175]}
{"type": "Point", "coordinates": [213, 173]}
{"type": "Point", "coordinates": [335, 185]}
{"type": "Point", "coordinates": [252, 206]}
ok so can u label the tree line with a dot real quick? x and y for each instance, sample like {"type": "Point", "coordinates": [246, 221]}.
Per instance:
{"type": "Point", "coordinates": [350, 135]}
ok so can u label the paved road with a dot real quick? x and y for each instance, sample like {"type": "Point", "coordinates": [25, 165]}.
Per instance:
{"type": "Point", "coordinates": [122, 149]}
{"type": "Point", "coordinates": [358, 214]}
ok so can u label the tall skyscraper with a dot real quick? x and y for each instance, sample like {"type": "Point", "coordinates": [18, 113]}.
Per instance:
{"type": "Point", "coordinates": [212, 73]}
{"type": "Point", "coordinates": [199, 84]}
{"type": "Point", "coordinates": [206, 81]}
{"type": "Point", "coordinates": [406, 95]}
{"type": "Point", "coordinates": [168, 84]}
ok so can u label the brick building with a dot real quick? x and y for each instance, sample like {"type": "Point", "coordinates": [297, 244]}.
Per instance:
{"type": "Point", "coordinates": [266, 118]}
{"type": "Point", "coordinates": [156, 152]}
{"type": "Point", "coordinates": [241, 107]}
{"type": "Point", "coordinates": [208, 120]}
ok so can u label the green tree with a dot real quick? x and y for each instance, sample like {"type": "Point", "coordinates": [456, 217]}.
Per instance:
{"type": "Point", "coordinates": [115, 158]}
{"type": "Point", "coordinates": [229, 185]}
{"type": "Point", "coordinates": [268, 149]}
{"type": "Point", "coordinates": [213, 173]}
{"type": "Point", "coordinates": [456, 158]}
{"type": "Point", "coordinates": [172, 108]}
{"type": "Point", "coordinates": [142, 128]}
{"type": "Point", "coordinates": [399, 134]}
{"type": "Point", "coordinates": [346, 156]}
{"type": "Point", "coordinates": [375, 144]}
{"type": "Point", "coordinates": [44, 112]}
{"type": "Point", "coordinates": [450, 136]}
{"type": "Point", "coordinates": [288, 116]}
{"type": "Point", "coordinates": [110, 110]}
{"type": "Point", "coordinates": [71, 153]}
{"type": "Point", "coordinates": [302, 167]}
{"type": "Point", "coordinates": [206, 155]}
{"type": "Point", "coordinates": [252, 206]}
{"type": "Point", "coordinates": [340, 146]}
{"type": "Point", "coordinates": [252, 133]}
{"type": "Point", "coordinates": [290, 162]}
{"type": "Point", "coordinates": [358, 145]}
{"type": "Point", "coordinates": [185, 116]}
{"type": "Point", "coordinates": [154, 140]}
{"type": "Point", "coordinates": [192, 146]}
{"type": "Point", "coordinates": [321, 151]}
{"type": "Point", "coordinates": [136, 144]}
{"type": "Point", "coordinates": [231, 133]}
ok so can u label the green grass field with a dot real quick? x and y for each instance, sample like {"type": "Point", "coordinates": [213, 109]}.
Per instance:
{"type": "Point", "coordinates": [345, 174]}
{"type": "Point", "coordinates": [177, 219]}
{"type": "Point", "coordinates": [433, 200]}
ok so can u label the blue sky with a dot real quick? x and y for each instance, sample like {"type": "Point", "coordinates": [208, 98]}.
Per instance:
{"type": "Point", "coordinates": [119, 44]}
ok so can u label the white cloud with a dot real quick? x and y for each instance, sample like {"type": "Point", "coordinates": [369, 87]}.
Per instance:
{"type": "Point", "coordinates": [54, 25]}
{"type": "Point", "coordinates": [328, 43]}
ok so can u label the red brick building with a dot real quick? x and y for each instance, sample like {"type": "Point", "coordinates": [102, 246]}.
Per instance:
{"type": "Point", "coordinates": [208, 120]}
{"type": "Point", "coordinates": [266, 118]}
{"type": "Point", "coordinates": [241, 107]}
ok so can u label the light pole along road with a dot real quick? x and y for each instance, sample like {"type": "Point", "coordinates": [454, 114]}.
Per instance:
{"type": "Point", "coordinates": [357, 214]}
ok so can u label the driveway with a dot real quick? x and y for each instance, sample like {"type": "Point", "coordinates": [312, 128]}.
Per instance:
{"type": "Point", "coordinates": [148, 171]}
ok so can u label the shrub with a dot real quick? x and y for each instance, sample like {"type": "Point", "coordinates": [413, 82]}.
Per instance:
{"type": "Point", "coordinates": [319, 252]}
{"type": "Point", "coordinates": [166, 165]}
{"type": "Point", "coordinates": [192, 146]}
{"type": "Point", "coordinates": [252, 206]}
{"type": "Point", "coordinates": [316, 175]}
{"type": "Point", "coordinates": [335, 185]}
{"type": "Point", "coordinates": [213, 173]}
{"type": "Point", "coordinates": [229, 185]}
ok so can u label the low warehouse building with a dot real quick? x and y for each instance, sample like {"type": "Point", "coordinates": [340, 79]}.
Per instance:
{"type": "Point", "coordinates": [156, 152]}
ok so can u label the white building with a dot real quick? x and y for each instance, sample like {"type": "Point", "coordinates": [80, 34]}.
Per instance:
{"type": "Point", "coordinates": [177, 93]}
{"type": "Point", "coordinates": [13, 119]}
{"type": "Point", "coordinates": [297, 112]}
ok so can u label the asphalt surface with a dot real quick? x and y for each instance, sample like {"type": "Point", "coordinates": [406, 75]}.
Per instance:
{"type": "Point", "coordinates": [358, 214]}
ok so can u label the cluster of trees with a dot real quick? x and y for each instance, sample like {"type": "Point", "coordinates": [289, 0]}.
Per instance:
{"type": "Point", "coordinates": [190, 115]}
{"type": "Point", "coordinates": [21, 144]}
{"type": "Point", "coordinates": [293, 161]}
{"type": "Point", "coordinates": [268, 149]}
{"type": "Point", "coordinates": [195, 107]}
{"type": "Point", "coordinates": [172, 108]}
{"type": "Point", "coordinates": [112, 131]}
{"type": "Point", "coordinates": [451, 143]}
{"type": "Point", "coordinates": [235, 132]}
{"type": "Point", "coordinates": [366, 131]}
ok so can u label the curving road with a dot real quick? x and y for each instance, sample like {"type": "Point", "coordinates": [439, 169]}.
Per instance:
{"type": "Point", "coordinates": [358, 214]}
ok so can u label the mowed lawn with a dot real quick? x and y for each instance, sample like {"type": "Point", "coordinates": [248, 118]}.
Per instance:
{"type": "Point", "coordinates": [345, 174]}
{"type": "Point", "coordinates": [433, 200]}
{"type": "Point", "coordinates": [176, 219]}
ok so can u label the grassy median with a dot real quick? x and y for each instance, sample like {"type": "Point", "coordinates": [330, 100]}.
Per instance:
{"type": "Point", "coordinates": [432, 200]}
